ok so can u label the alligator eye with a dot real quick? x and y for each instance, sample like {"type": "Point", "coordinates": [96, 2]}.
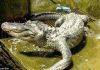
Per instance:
{"type": "Point", "coordinates": [32, 36]}
{"type": "Point", "coordinates": [67, 38]}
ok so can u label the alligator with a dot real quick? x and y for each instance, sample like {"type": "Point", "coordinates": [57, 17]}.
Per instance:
{"type": "Point", "coordinates": [67, 33]}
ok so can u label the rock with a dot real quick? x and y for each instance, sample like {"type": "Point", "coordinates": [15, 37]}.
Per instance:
{"type": "Point", "coordinates": [41, 5]}
{"type": "Point", "coordinates": [10, 9]}
{"type": "Point", "coordinates": [8, 61]}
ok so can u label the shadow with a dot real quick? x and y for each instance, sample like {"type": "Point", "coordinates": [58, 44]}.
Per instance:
{"type": "Point", "coordinates": [55, 53]}
{"type": "Point", "coordinates": [5, 58]}
{"type": "Point", "coordinates": [53, 2]}
{"type": "Point", "coordinates": [41, 54]}
{"type": "Point", "coordinates": [70, 66]}
{"type": "Point", "coordinates": [79, 47]}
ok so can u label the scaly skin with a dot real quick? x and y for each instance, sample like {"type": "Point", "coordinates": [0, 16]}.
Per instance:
{"type": "Point", "coordinates": [46, 16]}
{"type": "Point", "coordinates": [67, 33]}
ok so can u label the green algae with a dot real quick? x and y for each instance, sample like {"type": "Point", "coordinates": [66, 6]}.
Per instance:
{"type": "Point", "coordinates": [24, 52]}
{"type": "Point", "coordinates": [88, 57]}
{"type": "Point", "coordinates": [41, 6]}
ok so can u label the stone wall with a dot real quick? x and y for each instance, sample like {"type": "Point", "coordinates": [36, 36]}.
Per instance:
{"type": "Point", "coordinates": [10, 9]}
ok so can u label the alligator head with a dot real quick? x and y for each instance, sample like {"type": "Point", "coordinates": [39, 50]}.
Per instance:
{"type": "Point", "coordinates": [26, 31]}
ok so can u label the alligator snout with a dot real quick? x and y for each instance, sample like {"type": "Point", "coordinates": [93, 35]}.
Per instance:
{"type": "Point", "coordinates": [15, 27]}
{"type": "Point", "coordinates": [5, 26]}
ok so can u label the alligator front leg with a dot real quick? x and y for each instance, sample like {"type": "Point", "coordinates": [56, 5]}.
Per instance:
{"type": "Point", "coordinates": [60, 21]}
{"type": "Point", "coordinates": [63, 48]}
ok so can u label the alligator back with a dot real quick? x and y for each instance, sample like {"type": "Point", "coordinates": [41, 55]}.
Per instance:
{"type": "Point", "coordinates": [72, 29]}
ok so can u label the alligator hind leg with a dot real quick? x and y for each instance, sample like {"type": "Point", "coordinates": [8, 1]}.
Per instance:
{"type": "Point", "coordinates": [63, 48]}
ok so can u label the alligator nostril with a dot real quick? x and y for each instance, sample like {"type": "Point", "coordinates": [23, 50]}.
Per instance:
{"type": "Point", "coordinates": [3, 26]}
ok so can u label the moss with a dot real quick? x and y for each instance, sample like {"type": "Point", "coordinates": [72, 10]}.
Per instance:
{"type": "Point", "coordinates": [94, 9]}
{"type": "Point", "coordinates": [23, 52]}
{"type": "Point", "coordinates": [42, 6]}
{"type": "Point", "coordinates": [90, 7]}
{"type": "Point", "coordinates": [95, 26]}
{"type": "Point", "coordinates": [88, 57]}
{"type": "Point", "coordinates": [87, 6]}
